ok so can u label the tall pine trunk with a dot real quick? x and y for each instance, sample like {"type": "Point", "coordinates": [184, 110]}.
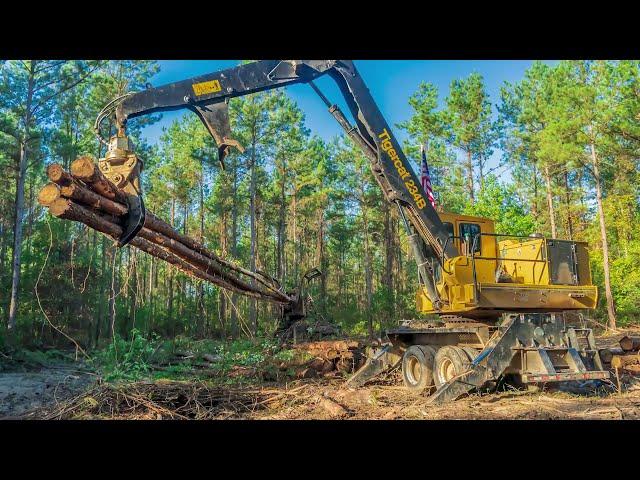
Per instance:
{"type": "Point", "coordinates": [282, 211]}
{"type": "Point", "coordinates": [611, 309]}
{"type": "Point", "coordinates": [469, 166]}
{"type": "Point", "coordinates": [234, 247]}
{"type": "Point", "coordinates": [200, 315]}
{"type": "Point", "coordinates": [19, 202]}
{"type": "Point", "coordinates": [567, 200]}
{"type": "Point", "coordinates": [552, 214]}
{"type": "Point", "coordinates": [17, 237]}
{"type": "Point", "coordinates": [253, 313]}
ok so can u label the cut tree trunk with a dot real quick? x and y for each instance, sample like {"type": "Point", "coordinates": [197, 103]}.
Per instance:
{"type": "Point", "coordinates": [57, 175]}
{"type": "Point", "coordinates": [48, 194]}
{"type": "Point", "coordinates": [66, 209]}
{"type": "Point", "coordinates": [630, 344]}
{"type": "Point", "coordinates": [84, 168]}
{"type": "Point", "coordinates": [84, 195]}
{"type": "Point", "coordinates": [606, 354]}
{"type": "Point", "coordinates": [621, 361]}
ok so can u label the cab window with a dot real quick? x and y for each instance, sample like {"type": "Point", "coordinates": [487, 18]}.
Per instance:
{"type": "Point", "coordinates": [467, 233]}
{"type": "Point", "coordinates": [448, 226]}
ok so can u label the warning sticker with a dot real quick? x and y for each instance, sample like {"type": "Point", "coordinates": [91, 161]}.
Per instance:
{"type": "Point", "coordinates": [205, 88]}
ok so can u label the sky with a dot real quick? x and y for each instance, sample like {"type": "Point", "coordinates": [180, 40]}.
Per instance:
{"type": "Point", "coordinates": [391, 83]}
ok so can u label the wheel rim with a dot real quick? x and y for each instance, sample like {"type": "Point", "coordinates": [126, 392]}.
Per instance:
{"type": "Point", "coordinates": [446, 370]}
{"type": "Point", "coordinates": [414, 370]}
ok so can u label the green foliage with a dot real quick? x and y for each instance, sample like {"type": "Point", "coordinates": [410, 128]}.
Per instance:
{"type": "Point", "coordinates": [293, 201]}
{"type": "Point", "coordinates": [127, 359]}
{"type": "Point", "coordinates": [501, 203]}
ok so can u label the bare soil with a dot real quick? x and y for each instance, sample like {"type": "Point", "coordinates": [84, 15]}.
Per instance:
{"type": "Point", "coordinates": [22, 391]}
{"type": "Point", "coordinates": [66, 393]}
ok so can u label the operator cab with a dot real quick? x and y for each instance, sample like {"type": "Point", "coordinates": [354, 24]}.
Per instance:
{"type": "Point", "coordinates": [469, 234]}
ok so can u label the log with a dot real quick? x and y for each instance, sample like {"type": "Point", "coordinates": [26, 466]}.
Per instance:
{"type": "Point", "coordinates": [68, 210]}
{"type": "Point", "coordinates": [152, 222]}
{"type": "Point", "coordinates": [57, 175]}
{"type": "Point", "coordinates": [193, 257]}
{"type": "Point", "coordinates": [84, 168]}
{"type": "Point", "coordinates": [621, 361]}
{"type": "Point", "coordinates": [183, 266]}
{"type": "Point", "coordinates": [332, 407]}
{"type": "Point", "coordinates": [606, 354]}
{"type": "Point", "coordinates": [321, 365]}
{"type": "Point", "coordinates": [87, 186]}
{"type": "Point", "coordinates": [152, 243]}
{"type": "Point", "coordinates": [630, 344]}
{"type": "Point", "coordinates": [306, 373]}
{"type": "Point", "coordinates": [48, 194]}
{"type": "Point", "coordinates": [87, 197]}
{"type": "Point", "coordinates": [631, 369]}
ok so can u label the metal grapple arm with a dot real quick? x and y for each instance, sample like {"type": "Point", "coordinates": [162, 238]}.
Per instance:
{"type": "Point", "coordinates": [208, 97]}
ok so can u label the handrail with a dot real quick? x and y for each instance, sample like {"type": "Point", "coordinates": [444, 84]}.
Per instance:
{"type": "Point", "coordinates": [474, 257]}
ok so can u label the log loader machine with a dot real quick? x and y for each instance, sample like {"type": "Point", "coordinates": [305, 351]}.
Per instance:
{"type": "Point", "coordinates": [499, 300]}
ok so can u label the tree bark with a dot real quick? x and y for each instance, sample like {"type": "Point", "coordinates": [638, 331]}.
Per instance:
{"type": "Point", "coordinates": [568, 205]}
{"type": "Point", "coordinates": [611, 309]}
{"type": "Point", "coordinates": [234, 244]}
{"type": "Point", "coordinates": [630, 344]}
{"type": "Point", "coordinates": [170, 299]}
{"type": "Point", "coordinates": [552, 214]}
{"type": "Point", "coordinates": [320, 259]}
{"type": "Point", "coordinates": [253, 314]}
{"type": "Point", "coordinates": [387, 277]}
{"type": "Point", "coordinates": [470, 176]}
{"type": "Point", "coordinates": [368, 274]}
{"type": "Point", "coordinates": [19, 200]}
{"type": "Point", "coordinates": [17, 237]}
{"type": "Point", "coordinates": [280, 269]}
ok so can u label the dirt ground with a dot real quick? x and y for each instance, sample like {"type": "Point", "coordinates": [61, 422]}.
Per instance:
{"type": "Point", "coordinates": [22, 391]}
{"type": "Point", "coordinates": [63, 392]}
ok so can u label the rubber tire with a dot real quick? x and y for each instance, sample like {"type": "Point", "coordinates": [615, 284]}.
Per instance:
{"type": "Point", "coordinates": [456, 355]}
{"type": "Point", "coordinates": [425, 355]}
{"type": "Point", "coordinates": [471, 352]}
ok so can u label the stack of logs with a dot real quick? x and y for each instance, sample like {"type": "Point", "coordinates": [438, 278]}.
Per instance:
{"type": "Point", "coordinates": [85, 195]}
{"type": "Point", "coordinates": [331, 357]}
{"type": "Point", "coordinates": [626, 358]}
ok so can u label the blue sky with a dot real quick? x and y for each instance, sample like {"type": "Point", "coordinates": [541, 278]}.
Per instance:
{"type": "Point", "coordinates": [391, 83]}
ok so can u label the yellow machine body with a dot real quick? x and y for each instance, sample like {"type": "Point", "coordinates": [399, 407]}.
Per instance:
{"type": "Point", "coordinates": [498, 273]}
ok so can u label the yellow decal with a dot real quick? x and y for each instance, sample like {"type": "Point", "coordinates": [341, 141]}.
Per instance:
{"type": "Point", "coordinates": [205, 88]}
{"type": "Point", "coordinates": [412, 188]}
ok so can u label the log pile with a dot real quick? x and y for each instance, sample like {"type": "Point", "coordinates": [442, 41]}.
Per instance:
{"type": "Point", "coordinates": [625, 359]}
{"type": "Point", "coordinates": [85, 195]}
{"type": "Point", "coordinates": [331, 357]}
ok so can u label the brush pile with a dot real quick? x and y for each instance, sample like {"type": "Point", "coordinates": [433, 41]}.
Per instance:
{"type": "Point", "coordinates": [626, 358]}
{"type": "Point", "coordinates": [85, 195]}
{"type": "Point", "coordinates": [159, 400]}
